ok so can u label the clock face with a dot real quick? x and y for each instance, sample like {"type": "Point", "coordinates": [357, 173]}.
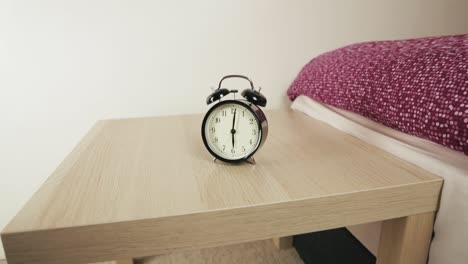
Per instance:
{"type": "Point", "coordinates": [232, 131]}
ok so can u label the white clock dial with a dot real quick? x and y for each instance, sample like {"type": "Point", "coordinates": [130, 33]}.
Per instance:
{"type": "Point", "coordinates": [232, 131]}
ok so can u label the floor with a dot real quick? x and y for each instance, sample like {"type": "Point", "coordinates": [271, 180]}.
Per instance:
{"type": "Point", "coordinates": [261, 252]}
{"type": "Point", "coordinates": [258, 252]}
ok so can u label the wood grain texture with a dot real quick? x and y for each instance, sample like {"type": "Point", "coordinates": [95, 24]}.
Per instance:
{"type": "Point", "coordinates": [406, 240]}
{"type": "Point", "coordinates": [283, 243]}
{"type": "Point", "coordinates": [146, 186]}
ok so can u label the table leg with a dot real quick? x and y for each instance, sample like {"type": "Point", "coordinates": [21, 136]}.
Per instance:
{"type": "Point", "coordinates": [283, 242]}
{"type": "Point", "coordinates": [406, 240]}
{"type": "Point", "coordinates": [124, 261]}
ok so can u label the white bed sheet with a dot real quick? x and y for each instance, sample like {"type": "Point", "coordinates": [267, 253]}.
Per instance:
{"type": "Point", "coordinates": [451, 225]}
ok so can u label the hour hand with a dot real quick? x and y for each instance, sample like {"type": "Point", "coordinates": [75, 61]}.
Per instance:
{"type": "Point", "coordinates": [232, 140]}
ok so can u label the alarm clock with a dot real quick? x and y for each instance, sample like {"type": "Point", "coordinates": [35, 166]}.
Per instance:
{"type": "Point", "coordinates": [233, 130]}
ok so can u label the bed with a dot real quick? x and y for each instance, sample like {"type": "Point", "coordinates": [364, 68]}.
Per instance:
{"type": "Point", "coordinates": [379, 92]}
{"type": "Point", "coordinates": [450, 232]}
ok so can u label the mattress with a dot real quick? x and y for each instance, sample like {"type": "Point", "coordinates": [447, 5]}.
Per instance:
{"type": "Point", "coordinates": [451, 226]}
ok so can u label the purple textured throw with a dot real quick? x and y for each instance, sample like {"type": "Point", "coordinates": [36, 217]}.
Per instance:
{"type": "Point", "coordinates": [418, 86]}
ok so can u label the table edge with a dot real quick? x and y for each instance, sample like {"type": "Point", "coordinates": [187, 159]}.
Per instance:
{"type": "Point", "coordinates": [153, 236]}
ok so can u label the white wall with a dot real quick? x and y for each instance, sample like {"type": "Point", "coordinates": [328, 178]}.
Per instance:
{"type": "Point", "coordinates": [66, 64]}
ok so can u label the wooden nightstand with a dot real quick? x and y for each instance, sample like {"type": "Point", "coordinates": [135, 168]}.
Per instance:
{"type": "Point", "coordinates": [147, 186]}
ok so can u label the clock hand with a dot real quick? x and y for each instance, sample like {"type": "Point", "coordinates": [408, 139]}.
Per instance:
{"type": "Point", "coordinates": [234, 118]}
{"type": "Point", "coordinates": [233, 131]}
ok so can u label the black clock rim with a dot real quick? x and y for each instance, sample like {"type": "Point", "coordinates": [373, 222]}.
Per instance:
{"type": "Point", "coordinates": [248, 106]}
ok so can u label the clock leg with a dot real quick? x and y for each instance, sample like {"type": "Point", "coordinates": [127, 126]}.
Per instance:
{"type": "Point", "coordinates": [251, 160]}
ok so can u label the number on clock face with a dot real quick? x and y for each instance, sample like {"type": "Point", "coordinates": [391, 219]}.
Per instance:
{"type": "Point", "coordinates": [232, 132]}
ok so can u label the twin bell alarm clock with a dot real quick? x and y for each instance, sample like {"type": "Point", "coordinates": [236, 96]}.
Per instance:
{"type": "Point", "coordinates": [234, 129]}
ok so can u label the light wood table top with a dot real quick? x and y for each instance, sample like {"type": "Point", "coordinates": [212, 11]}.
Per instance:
{"type": "Point", "coordinates": [147, 186]}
